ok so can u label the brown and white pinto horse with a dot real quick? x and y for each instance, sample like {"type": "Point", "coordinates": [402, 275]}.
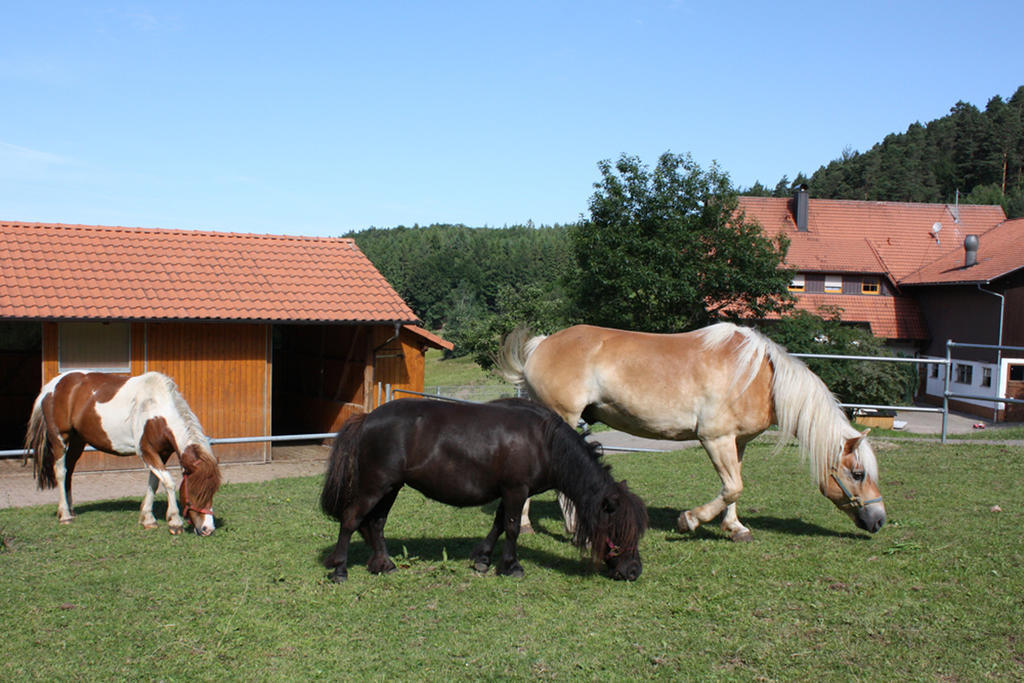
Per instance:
{"type": "Point", "coordinates": [722, 385]}
{"type": "Point", "coordinates": [123, 416]}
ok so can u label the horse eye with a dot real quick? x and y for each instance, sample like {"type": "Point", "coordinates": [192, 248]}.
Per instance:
{"type": "Point", "coordinates": [858, 475]}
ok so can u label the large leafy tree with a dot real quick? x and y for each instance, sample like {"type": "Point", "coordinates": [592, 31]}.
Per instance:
{"type": "Point", "coordinates": [667, 250]}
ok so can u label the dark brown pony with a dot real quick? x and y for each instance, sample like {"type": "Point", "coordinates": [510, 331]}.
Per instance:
{"type": "Point", "coordinates": [144, 415]}
{"type": "Point", "coordinates": [471, 454]}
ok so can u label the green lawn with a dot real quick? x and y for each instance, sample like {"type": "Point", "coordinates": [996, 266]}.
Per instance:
{"type": "Point", "coordinates": [936, 594]}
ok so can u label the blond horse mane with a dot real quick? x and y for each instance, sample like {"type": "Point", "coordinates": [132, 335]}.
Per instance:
{"type": "Point", "coordinates": [804, 406]}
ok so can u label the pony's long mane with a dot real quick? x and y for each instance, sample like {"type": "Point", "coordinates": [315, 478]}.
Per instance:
{"type": "Point", "coordinates": [205, 477]}
{"type": "Point", "coordinates": [342, 468]}
{"type": "Point", "coordinates": [578, 472]}
{"type": "Point", "coordinates": [804, 406]}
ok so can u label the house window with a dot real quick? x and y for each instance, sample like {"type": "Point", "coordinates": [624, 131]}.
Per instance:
{"type": "Point", "coordinates": [797, 284]}
{"type": "Point", "coordinates": [869, 285]}
{"type": "Point", "coordinates": [833, 283]}
{"type": "Point", "coordinates": [95, 346]}
{"type": "Point", "coordinates": [935, 370]}
{"type": "Point", "coordinates": [986, 377]}
{"type": "Point", "coordinates": [964, 374]}
{"type": "Point", "coordinates": [1017, 373]}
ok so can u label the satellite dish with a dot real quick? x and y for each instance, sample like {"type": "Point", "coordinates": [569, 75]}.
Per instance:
{"type": "Point", "coordinates": [936, 226]}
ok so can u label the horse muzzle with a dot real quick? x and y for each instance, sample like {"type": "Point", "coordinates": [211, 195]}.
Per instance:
{"type": "Point", "coordinates": [870, 518]}
{"type": "Point", "coordinates": [627, 570]}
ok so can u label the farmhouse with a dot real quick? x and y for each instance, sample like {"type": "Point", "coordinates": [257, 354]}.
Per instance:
{"type": "Point", "coordinates": [264, 334]}
{"type": "Point", "coordinates": [910, 273]}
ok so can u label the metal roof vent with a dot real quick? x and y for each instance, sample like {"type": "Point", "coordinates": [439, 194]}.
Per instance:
{"type": "Point", "coordinates": [970, 250]}
{"type": "Point", "coordinates": [800, 202]}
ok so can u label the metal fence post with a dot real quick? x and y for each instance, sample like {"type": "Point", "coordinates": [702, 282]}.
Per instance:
{"type": "Point", "coordinates": [945, 391]}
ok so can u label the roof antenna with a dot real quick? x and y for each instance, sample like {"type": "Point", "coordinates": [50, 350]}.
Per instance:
{"type": "Point", "coordinates": [956, 208]}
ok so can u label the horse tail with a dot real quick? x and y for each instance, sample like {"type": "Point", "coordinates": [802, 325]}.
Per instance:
{"type": "Point", "coordinates": [39, 445]}
{"type": "Point", "coordinates": [342, 468]}
{"type": "Point", "coordinates": [805, 408]}
{"type": "Point", "coordinates": [515, 350]}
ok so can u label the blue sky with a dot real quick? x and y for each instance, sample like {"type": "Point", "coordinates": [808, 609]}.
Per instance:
{"type": "Point", "coordinates": [319, 118]}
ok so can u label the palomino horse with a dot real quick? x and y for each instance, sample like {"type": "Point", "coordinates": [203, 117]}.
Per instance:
{"type": "Point", "coordinates": [471, 454]}
{"type": "Point", "coordinates": [144, 415]}
{"type": "Point", "coordinates": [722, 385]}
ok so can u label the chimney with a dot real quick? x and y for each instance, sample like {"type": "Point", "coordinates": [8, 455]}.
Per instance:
{"type": "Point", "coordinates": [800, 207]}
{"type": "Point", "coordinates": [970, 250]}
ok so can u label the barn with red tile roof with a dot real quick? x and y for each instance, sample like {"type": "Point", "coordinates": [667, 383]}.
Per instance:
{"type": "Point", "coordinates": [263, 333]}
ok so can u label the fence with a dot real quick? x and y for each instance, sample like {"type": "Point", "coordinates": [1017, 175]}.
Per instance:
{"type": "Point", "coordinates": [483, 393]}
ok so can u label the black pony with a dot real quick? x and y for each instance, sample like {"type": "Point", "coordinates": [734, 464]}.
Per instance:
{"type": "Point", "coordinates": [471, 454]}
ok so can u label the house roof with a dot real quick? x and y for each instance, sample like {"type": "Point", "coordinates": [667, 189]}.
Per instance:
{"type": "Point", "coordinates": [890, 317]}
{"type": "Point", "coordinates": [57, 271]}
{"type": "Point", "coordinates": [841, 232]}
{"type": "Point", "coordinates": [891, 239]}
{"type": "Point", "coordinates": [1000, 252]}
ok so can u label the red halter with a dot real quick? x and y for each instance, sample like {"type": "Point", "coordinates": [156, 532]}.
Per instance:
{"type": "Point", "coordinates": [185, 501]}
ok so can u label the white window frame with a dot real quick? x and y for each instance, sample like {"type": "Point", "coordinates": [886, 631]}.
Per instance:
{"type": "Point", "coordinates": [798, 283]}
{"type": "Point", "coordinates": [834, 284]}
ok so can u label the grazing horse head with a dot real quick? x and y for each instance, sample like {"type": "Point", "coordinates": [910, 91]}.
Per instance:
{"type": "Point", "coordinates": [621, 522]}
{"type": "Point", "coordinates": [199, 481]}
{"type": "Point", "coordinates": [851, 483]}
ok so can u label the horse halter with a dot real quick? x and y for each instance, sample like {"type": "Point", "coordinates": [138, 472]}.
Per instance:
{"type": "Point", "coordinates": [615, 550]}
{"type": "Point", "coordinates": [852, 501]}
{"type": "Point", "coordinates": [185, 501]}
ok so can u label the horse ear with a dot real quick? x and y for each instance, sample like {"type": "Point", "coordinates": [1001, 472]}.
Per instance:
{"type": "Point", "coordinates": [853, 442]}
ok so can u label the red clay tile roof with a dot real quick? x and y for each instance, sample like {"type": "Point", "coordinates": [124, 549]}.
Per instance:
{"type": "Point", "coordinates": [892, 239]}
{"type": "Point", "coordinates": [430, 338]}
{"type": "Point", "coordinates": [899, 233]}
{"type": "Point", "coordinates": [1000, 252]}
{"type": "Point", "coordinates": [890, 317]}
{"type": "Point", "coordinates": [78, 271]}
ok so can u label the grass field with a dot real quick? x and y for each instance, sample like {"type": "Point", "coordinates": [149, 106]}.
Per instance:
{"type": "Point", "coordinates": [936, 594]}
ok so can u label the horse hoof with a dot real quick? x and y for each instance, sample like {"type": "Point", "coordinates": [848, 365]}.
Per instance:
{"type": "Point", "coordinates": [339, 576]}
{"type": "Point", "coordinates": [66, 521]}
{"type": "Point", "coordinates": [149, 525]}
{"type": "Point", "coordinates": [515, 571]}
{"type": "Point", "coordinates": [481, 566]}
{"type": "Point", "coordinates": [175, 530]}
{"type": "Point", "coordinates": [525, 529]}
{"type": "Point", "coordinates": [742, 536]}
{"type": "Point", "coordinates": [686, 523]}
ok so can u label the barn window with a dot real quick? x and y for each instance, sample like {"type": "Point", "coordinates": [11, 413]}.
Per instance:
{"type": "Point", "coordinates": [964, 374]}
{"type": "Point", "coordinates": [869, 285]}
{"type": "Point", "coordinates": [95, 346]}
{"type": "Point", "coordinates": [797, 283]}
{"type": "Point", "coordinates": [833, 283]}
{"type": "Point", "coordinates": [935, 369]}
{"type": "Point", "coordinates": [986, 377]}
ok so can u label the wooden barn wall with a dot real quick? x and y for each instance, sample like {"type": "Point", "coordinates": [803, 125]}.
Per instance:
{"type": "Point", "coordinates": [399, 363]}
{"type": "Point", "coordinates": [222, 370]}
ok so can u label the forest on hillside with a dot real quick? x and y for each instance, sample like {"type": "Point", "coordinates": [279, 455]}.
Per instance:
{"type": "Point", "coordinates": [972, 155]}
